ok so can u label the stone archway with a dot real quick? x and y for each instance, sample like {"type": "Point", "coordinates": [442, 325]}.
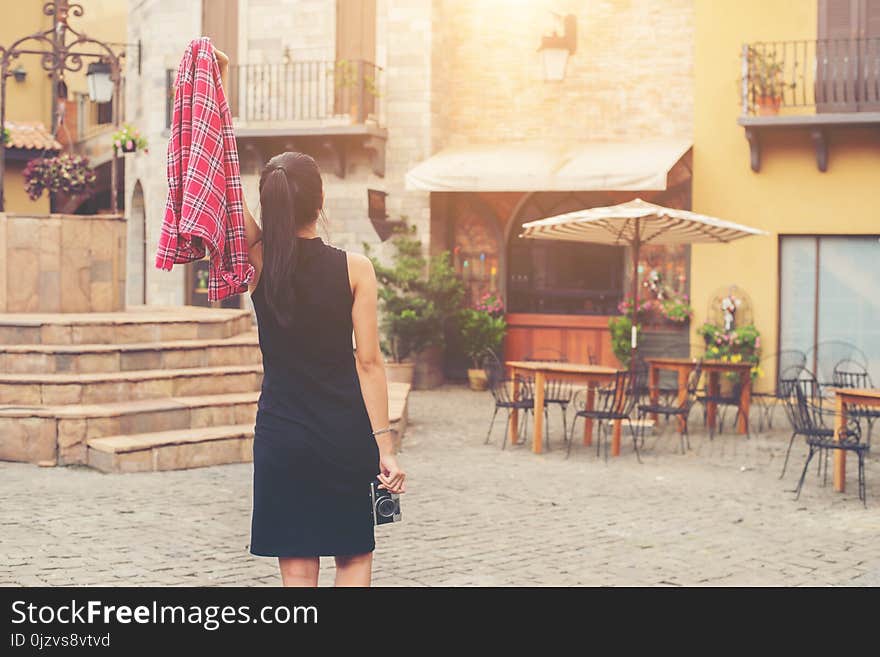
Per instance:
{"type": "Point", "coordinates": [136, 266]}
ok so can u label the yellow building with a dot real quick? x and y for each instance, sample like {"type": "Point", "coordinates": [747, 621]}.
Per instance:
{"type": "Point", "coordinates": [808, 175]}
{"type": "Point", "coordinates": [85, 124]}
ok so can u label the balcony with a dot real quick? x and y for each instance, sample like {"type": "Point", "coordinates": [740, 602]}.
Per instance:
{"type": "Point", "coordinates": [817, 85]}
{"type": "Point", "coordinates": [333, 106]}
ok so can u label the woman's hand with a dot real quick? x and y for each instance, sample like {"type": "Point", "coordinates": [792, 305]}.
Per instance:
{"type": "Point", "coordinates": [390, 475]}
{"type": "Point", "coordinates": [223, 63]}
{"type": "Point", "coordinates": [222, 59]}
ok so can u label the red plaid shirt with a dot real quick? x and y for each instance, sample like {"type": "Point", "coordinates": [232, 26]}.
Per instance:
{"type": "Point", "coordinates": [204, 206]}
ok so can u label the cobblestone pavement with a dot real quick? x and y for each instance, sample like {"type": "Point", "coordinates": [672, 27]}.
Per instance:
{"type": "Point", "coordinates": [473, 515]}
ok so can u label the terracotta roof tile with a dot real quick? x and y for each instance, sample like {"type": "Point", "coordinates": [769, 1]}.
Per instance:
{"type": "Point", "coordinates": [30, 135]}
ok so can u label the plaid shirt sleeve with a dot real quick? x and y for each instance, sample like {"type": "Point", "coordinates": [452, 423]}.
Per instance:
{"type": "Point", "coordinates": [204, 206]}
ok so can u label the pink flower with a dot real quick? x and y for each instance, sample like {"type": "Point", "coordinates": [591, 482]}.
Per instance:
{"type": "Point", "coordinates": [129, 144]}
{"type": "Point", "coordinates": [117, 144]}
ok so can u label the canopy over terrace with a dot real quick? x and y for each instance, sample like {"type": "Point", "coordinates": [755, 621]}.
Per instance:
{"type": "Point", "coordinates": [633, 224]}
{"type": "Point", "coordinates": [482, 193]}
{"type": "Point", "coordinates": [524, 167]}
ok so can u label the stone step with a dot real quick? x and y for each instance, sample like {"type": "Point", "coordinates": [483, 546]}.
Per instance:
{"type": "Point", "coordinates": [242, 349]}
{"type": "Point", "coordinates": [44, 433]}
{"type": "Point", "coordinates": [172, 450]}
{"type": "Point", "coordinates": [196, 447]}
{"type": "Point", "coordinates": [59, 435]}
{"type": "Point", "coordinates": [137, 324]}
{"type": "Point", "coordinates": [95, 388]}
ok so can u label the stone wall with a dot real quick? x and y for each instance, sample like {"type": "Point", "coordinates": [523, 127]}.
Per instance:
{"type": "Point", "coordinates": [307, 27]}
{"type": "Point", "coordinates": [164, 27]}
{"type": "Point", "coordinates": [62, 263]}
{"type": "Point", "coordinates": [631, 77]}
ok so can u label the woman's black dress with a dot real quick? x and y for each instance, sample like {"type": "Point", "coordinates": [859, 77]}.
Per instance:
{"type": "Point", "coordinates": [314, 452]}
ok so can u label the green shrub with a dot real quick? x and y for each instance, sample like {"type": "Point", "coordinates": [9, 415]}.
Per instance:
{"type": "Point", "coordinates": [621, 337]}
{"type": "Point", "coordinates": [419, 296]}
{"type": "Point", "coordinates": [480, 332]}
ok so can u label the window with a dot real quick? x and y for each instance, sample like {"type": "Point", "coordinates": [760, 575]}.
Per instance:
{"type": "Point", "coordinates": [104, 113]}
{"type": "Point", "coordinates": [564, 278]}
{"type": "Point", "coordinates": [828, 294]}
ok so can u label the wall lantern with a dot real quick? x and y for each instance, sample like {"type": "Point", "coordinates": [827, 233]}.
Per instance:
{"type": "Point", "coordinates": [379, 216]}
{"type": "Point", "coordinates": [100, 82]}
{"type": "Point", "coordinates": [19, 73]}
{"type": "Point", "coordinates": [555, 49]}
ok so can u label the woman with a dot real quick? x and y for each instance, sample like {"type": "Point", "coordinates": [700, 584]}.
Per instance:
{"type": "Point", "coordinates": [322, 430]}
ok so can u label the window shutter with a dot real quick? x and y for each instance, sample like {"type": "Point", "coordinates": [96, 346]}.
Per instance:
{"type": "Point", "coordinates": [355, 55]}
{"type": "Point", "coordinates": [220, 24]}
{"type": "Point", "coordinates": [837, 55]}
{"type": "Point", "coordinates": [869, 56]}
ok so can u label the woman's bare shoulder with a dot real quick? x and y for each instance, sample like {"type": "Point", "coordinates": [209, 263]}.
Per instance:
{"type": "Point", "coordinates": [360, 268]}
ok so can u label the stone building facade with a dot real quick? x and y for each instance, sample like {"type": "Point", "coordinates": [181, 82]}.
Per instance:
{"type": "Point", "coordinates": [269, 31]}
{"type": "Point", "coordinates": [454, 74]}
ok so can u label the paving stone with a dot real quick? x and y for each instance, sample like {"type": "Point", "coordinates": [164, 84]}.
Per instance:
{"type": "Point", "coordinates": [474, 515]}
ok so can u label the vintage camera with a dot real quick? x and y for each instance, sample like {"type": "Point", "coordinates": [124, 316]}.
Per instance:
{"type": "Point", "coordinates": [385, 505]}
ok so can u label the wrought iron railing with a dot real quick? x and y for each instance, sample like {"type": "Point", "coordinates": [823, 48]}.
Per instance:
{"type": "Point", "coordinates": [301, 91]}
{"type": "Point", "coordinates": [824, 75]}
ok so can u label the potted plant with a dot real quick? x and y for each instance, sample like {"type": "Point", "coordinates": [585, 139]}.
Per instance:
{"type": "Point", "coordinates": [418, 298]}
{"type": "Point", "coordinates": [481, 332]}
{"type": "Point", "coordinates": [620, 328]}
{"type": "Point", "coordinates": [765, 80]}
{"type": "Point", "coordinates": [349, 75]}
{"type": "Point", "coordinates": [739, 345]}
{"type": "Point", "coordinates": [677, 309]}
{"type": "Point", "coordinates": [346, 77]}
{"type": "Point", "coordinates": [128, 140]}
{"type": "Point", "coordinates": [65, 173]}
{"type": "Point", "coordinates": [5, 137]}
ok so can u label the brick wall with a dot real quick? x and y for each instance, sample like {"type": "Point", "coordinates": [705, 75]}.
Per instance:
{"type": "Point", "coordinates": [631, 76]}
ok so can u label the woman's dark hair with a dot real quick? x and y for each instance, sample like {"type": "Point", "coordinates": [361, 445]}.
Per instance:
{"type": "Point", "coordinates": [291, 196]}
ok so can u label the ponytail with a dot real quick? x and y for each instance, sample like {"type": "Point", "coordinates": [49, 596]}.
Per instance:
{"type": "Point", "coordinates": [279, 244]}
{"type": "Point", "coordinates": [291, 196]}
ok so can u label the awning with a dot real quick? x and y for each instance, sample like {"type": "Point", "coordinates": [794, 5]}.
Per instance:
{"type": "Point", "coordinates": [533, 167]}
{"type": "Point", "coordinates": [31, 135]}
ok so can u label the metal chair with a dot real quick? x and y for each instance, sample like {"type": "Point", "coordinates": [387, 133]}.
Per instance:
{"type": "Point", "coordinates": [618, 403]}
{"type": "Point", "coordinates": [721, 401]}
{"type": "Point", "coordinates": [668, 384]}
{"type": "Point", "coordinates": [556, 391]}
{"type": "Point", "coordinates": [501, 388]}
{"type": "Point", "coordinates": [788, 365]}
{"type": "Point", "coordinates": [502, 394]}
{"type": "Point", "coordinates": [493, 366]}
{"type": "Point", "coordinates": [680, 410]}
{"type": "Point", "coordinates": [825, 356]}
{"type": "Point", "coordinates": [852, 374]}
{"type": "Point", "coordinates": [818, 438]}
{"type": "Point", "coordinates": [799, 425]}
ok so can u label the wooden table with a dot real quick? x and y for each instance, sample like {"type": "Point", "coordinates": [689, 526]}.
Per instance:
{"type": "Point", "coordinates": [588, 375]}
{"type": "Point", "coordinates": [713, 369]}
{"type": "Point", "coordinates": [845, 398]}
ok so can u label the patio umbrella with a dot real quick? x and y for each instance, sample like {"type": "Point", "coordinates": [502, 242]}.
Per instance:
{"type": "Point", "coordinates": [633, 224]}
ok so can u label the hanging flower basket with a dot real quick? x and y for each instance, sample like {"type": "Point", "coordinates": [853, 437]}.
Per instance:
{"type": "Point", "coordinates": [65, 173]}
{"type": "Point", "coordinates": [129, 140]}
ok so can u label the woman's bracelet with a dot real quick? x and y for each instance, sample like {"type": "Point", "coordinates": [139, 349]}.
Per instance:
{"type": "Point", "coordinates": [381, 431]}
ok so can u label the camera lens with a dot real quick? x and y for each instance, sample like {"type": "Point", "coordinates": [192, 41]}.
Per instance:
{"type": "Point", "coordinates": [386, 507]}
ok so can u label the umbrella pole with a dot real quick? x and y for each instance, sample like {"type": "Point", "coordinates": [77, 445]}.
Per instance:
{"type": "Point", "coordinates": [636, 244]}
